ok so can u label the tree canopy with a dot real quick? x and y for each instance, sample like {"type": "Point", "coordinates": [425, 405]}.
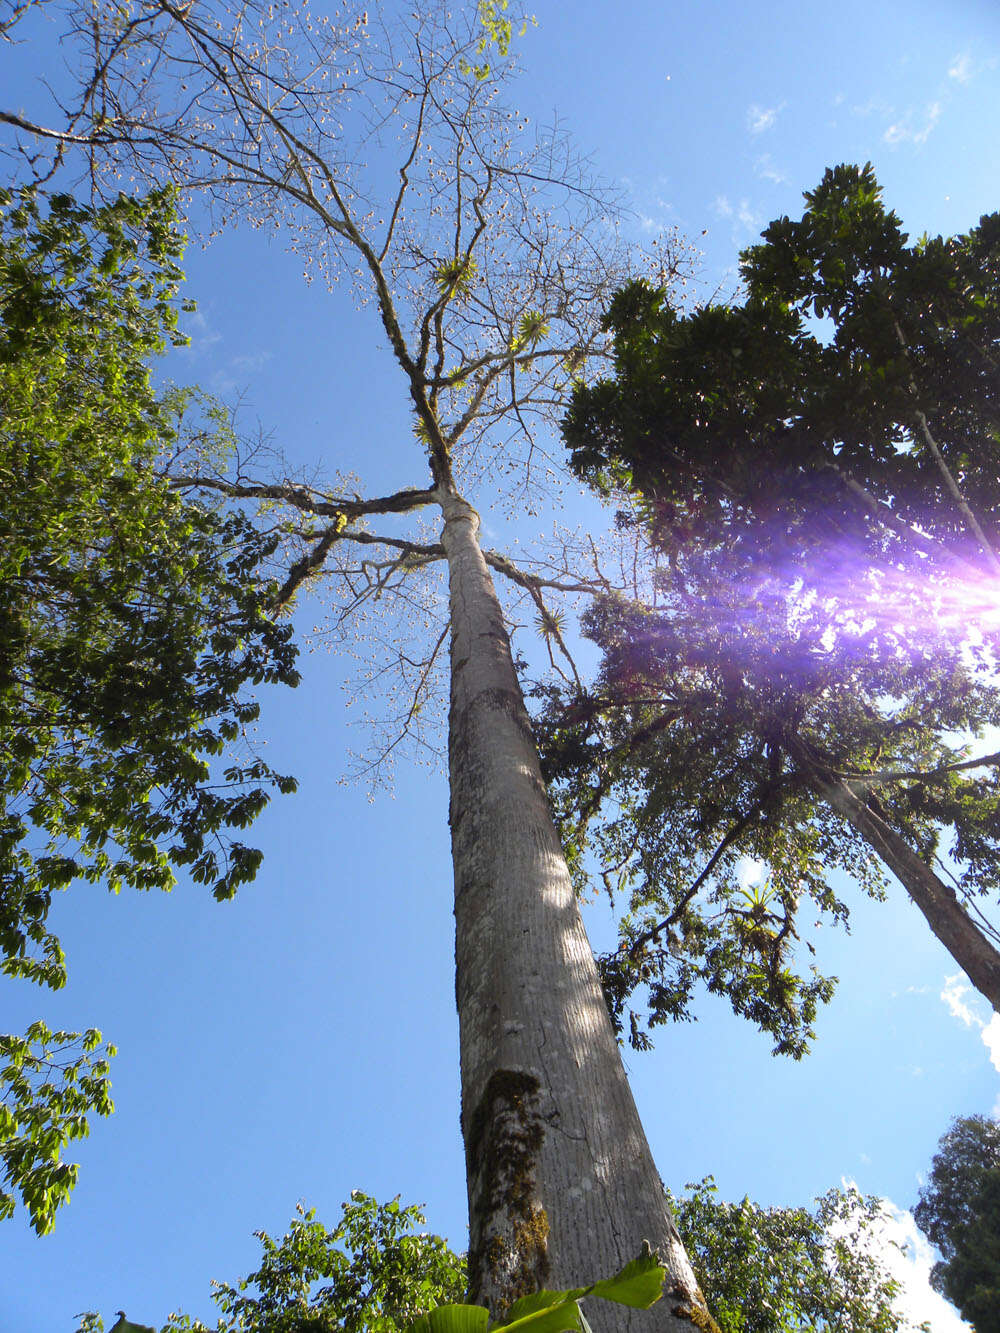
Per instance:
{"type": "Point", "coordinates": [768, 1270]}
{"type": "Point", "coordinates": [815, 470]}
{"type": "Point", "coordinates": [376, 1271]}
{"type": "Point", "coordinates": [763, 1270]}
{"type": "Point", "coordinates": [133, 625]}
{"type": "Point", "coordinates": [959, 1212]}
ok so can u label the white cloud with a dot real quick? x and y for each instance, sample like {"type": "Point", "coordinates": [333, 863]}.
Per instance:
{"type": "Point", "coordinates": [905, 131]}
{"type": "Point", "coordinates": [933, 116]}
{"type": "Point", "coordinates": [232, 378]}
{"type": "Point", "coordinates": [252, 361]}
{"type": "Point", "coordinates": [741, 212]}
{"type": "Point", "coordinates": [765, 168]}
{"type": "Point", "coordinates": [747, 216]}
{"type": "Point", "coordinates": [761, 118]}
{"type": "Point", "coordinates": [874, 106]}
{"type": "Point", "coordinates": [200, 333]}
{"type": "Point", "coordinates": [911, 1265]}
{"type": "Point", "coordinates": [960, 68]}
{"type": "Point", "coordinates": [955, 990]}
{"type": "Point", "coordinates": [954, 994]}
{"type": "Point", "coordinates": [749, 871]}
{"type": "Point", "coordinates": [651, 209]}
{"type": "Point", "coordinates": [897, 1242]}
{"type": "Point", "coordinates": [991, 1040]}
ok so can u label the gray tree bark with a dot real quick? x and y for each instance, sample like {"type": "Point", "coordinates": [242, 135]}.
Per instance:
{"type": "Point", "coordinates": [562, 1185]}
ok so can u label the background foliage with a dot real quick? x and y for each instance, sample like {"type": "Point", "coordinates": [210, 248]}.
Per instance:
{"type": "Point", "coordinates": [819, 612]}
{"type": "Point", "coordinates": [133, 625]}
{"type": "Point", "coordinates": [959, 1211]}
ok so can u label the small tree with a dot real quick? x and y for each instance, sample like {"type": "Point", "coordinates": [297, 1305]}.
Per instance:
{"type": "Point", "coordinates": [959, 1212]}
{"type": "Point", "coordinates": [768, 1270]}
{"type": "Point", "coordinates": [375, 1272]}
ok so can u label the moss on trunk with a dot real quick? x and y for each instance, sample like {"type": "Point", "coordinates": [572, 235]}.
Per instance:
{"type": "Point", "coordinates": [504, 1138]}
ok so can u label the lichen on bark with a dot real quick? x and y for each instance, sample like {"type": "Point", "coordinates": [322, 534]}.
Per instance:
{"type": "Point", "coordinates": [503, 1138]}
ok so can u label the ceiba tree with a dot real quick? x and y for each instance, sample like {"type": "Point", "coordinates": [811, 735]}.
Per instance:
{"type": "Point", "coordinates": [488, 265]}
{"type": "Point", "coordinates": [132, 625]}
{"type": "Point", "coordinates": [810, 677]}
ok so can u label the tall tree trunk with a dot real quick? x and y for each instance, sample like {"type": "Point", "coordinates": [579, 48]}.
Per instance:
{"type": "Point", "coordinates": [562, 1185]}
{"type": "Point", "coordinates": [939, 903]}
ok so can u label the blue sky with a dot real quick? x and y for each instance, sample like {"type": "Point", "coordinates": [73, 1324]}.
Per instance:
{"type": "Point", "coordinates": [302, 1041]}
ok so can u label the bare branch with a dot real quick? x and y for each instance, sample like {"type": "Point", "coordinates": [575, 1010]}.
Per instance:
{"type": "Point", "coordinates": [308, 500]}
{"type": "Point", "coordinates": [308, 564]}
{"type": "Point", "coordinates": [916, 775]}
{"type": "Point", "coordinates": [534, 582]}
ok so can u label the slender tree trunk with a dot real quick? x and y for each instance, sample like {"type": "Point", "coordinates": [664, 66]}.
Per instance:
{"type": "Point", "coordinates": [939, 903]}
{"type": "Point", "coordinates": [562, 1185]}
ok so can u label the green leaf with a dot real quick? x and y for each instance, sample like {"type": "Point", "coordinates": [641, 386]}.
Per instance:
{"type": "Point", "coordinates": [563, 1316]}
{"type": "Point", "coordinates": [537, 1300]}
{"type": "Point", "coordinates": [453, 1319]}
{"type": "Point", "coordinates": [639, 1284]}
